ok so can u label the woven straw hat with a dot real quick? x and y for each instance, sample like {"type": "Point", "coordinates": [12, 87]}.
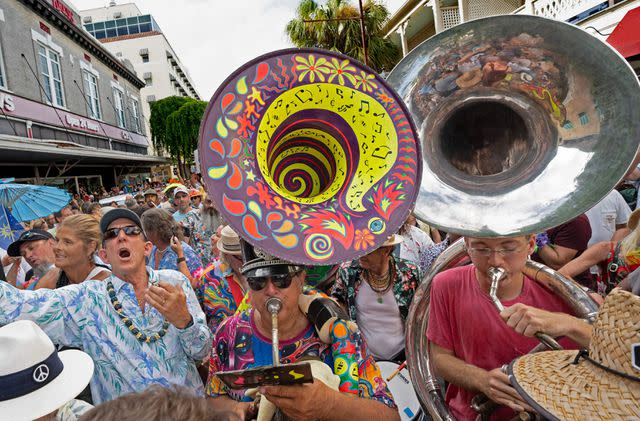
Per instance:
{"type": "Point", "coordinates": [229, 241]}
{"type": "Point", "coordinates": [558, 388]}
{"type": "Point", "coordinates": [632, 223]}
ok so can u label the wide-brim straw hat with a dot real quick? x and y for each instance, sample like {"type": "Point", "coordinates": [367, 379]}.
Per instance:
{"type": "Point", "coordinates": [632, 223]}
{"type": "Point", "coordinates": [23, 347]}
{"type": "Point", "coordinates": [560, 386]}
{"type": "Point", "coordinates": [229, 241]}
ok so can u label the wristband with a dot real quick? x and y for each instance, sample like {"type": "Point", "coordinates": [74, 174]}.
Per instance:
{"type": "Point", "coordinates": [189, 324]}
{"type": "Point", "coordinates": [181, 259]}
{"type": "Point", "coordinates": [542, 240]}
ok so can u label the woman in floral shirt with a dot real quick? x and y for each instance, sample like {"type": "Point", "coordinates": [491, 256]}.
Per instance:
{"type": "Point", "coordinates": [377, 290]}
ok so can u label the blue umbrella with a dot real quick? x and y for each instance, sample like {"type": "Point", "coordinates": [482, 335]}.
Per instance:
{"type": "Point", "coordinates": [28, 202]}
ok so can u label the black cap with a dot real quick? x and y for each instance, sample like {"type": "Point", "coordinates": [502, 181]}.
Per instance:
{"type": "Point", "coordinates": [118, 213]}
{"type": "Point", "coordinates": [32, 235]}
{"type": "Point", "coordinates": [151, 192]}
{"type": "Point", "coordinates": [257, 262]}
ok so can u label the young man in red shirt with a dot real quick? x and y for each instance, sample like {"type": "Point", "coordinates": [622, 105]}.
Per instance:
{"type": "Point", "coordinates": [471, 340]}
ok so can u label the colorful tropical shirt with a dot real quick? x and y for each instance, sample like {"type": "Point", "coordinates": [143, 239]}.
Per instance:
{"type": "Point", "coordinates": [348, 281]}
{"type": "Point", "coordinates": [222, 293]}
{"type": "Point", "coordinates": [201, 242]}
{"type": "Point", "coordinates": [83, 316]}
{"type": "Point", "coordinates": [238, 345]}
{"type": "Point", "coordinates": [169, 261]}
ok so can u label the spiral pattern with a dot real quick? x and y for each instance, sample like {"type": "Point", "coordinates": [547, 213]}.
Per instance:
{"type": "Point", "coordinates": [319, 247]}
{"type": "Point", "coordinates": [306, 158]}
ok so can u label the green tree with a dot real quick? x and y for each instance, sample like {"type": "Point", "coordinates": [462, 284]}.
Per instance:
{"type": "Point", "coordinates": [183, 128]}
{"type": "Point", "coordinates": [175, 125]}
{"type": "Point", "coordinates": [344, 35]}
{"type": "Point", "coordinates": [160, 110]}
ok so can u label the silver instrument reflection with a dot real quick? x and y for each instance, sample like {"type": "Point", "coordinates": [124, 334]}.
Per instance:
{"type": "Point", "coordinates": [274, 305]}
{"type": "Point", "coordinates": [525, 124]}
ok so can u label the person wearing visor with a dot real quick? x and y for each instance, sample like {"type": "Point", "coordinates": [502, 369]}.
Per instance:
{"type": "Point", "coordinates": [244, 341]}
{"type": "Point", "coordinates": [140, 326]}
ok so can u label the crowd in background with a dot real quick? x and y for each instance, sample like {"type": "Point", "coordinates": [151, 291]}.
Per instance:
{"type": "Point", "coordinates": [188, 235]}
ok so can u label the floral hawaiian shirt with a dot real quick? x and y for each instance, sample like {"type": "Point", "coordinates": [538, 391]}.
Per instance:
{"type": "Point", "coordinates": [200, 236]}
{"type": "Point", "coordinates": [169, 260]}
{"type": "Point", "coordinates": [83, 316]}
{"type": "Point", "coordinates": [348, 282]}
{"type": "Point", "coordinates": [222, 293]}
{"type": "Point", "coordinates": [238, 345]}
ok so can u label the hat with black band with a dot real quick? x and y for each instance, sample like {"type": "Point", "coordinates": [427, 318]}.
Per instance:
{"type": "Point", "coordinates": [35, 379]}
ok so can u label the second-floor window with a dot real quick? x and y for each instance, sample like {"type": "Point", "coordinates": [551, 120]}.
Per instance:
{"type": "Point", "coordinates": [3, 76]}
{"type": "Point", "coordinates": [135, 115]}
{"type": "Point", "coordinates": [51, 75]}
{"type": "Point", "coordinates": [91, 94]}
{"type": "Point", "coordinates": [118, 104]}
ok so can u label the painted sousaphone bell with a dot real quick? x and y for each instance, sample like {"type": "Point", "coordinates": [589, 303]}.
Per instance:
{"type": "Point", "coordinates": [310, 156]}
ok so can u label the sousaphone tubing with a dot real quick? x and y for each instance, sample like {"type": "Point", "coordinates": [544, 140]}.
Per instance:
{"type": "Point", "coordinates": [310, 155]}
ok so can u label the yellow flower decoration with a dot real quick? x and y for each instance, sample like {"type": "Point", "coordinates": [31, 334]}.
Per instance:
{"type": "Point", "coordinates": [312, 68]}
{"type": "Point", "coordinates": [366, 81]}
{"type": "Point", "coordinates": [341, 70]}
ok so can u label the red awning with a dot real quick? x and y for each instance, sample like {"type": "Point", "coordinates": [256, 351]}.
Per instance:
{"type": "Point", "coordinates": [626, 37]}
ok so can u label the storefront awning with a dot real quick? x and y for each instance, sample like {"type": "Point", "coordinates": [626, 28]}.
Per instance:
{"type": "Point", "coordinates": [14, 149]}
{"type": "Point", "coordinates": [626, 37]}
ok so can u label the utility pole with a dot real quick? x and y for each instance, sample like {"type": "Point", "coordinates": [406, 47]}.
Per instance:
{"type": "Point", "coordinates": [363, 30]}
{"type": "Point", "coordinates": [363, 33]}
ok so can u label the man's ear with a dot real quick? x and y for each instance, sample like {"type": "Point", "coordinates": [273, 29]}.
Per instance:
{"type": "Point", "coordinates": [103, 255]}
{"type": "Point", "coordinates": [148, 246]}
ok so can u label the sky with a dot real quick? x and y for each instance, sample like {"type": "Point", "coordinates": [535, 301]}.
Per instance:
{"type": "Point", "coordinates": [212, 38]}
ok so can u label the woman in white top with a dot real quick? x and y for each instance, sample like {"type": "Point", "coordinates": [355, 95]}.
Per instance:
{"type": "Point", "coordinates": [77, 240]}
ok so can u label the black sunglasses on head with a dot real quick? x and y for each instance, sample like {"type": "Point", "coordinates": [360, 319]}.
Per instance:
{"type": "Point", "coordinates": [129, 230]}
{"type": "Point", "coordinates": [279, 281]}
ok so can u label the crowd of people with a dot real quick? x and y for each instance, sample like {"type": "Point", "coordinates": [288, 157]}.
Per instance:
{"type": "Point", "coordinates": [135, 308]}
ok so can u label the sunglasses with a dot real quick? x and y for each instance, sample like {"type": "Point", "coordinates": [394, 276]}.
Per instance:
{"type": "Point", "coordinates": [129, 230]}
{"type": "Point", "coordinates": [279, 281]}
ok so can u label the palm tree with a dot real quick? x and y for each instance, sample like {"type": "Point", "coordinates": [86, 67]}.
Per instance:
{"type": "Point", "coordinates": [338, 29]}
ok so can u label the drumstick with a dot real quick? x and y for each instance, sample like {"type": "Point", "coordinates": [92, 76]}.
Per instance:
{"type": "Point", "coordinates": [397, 370]}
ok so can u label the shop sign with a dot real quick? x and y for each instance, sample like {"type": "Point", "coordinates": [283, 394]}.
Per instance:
{"type": "Point", "coordinates": [6, 102]}
{"type": "Point", "coordinates": [62, 8]}
{"type": "Point", "coordinates": [81, 123]}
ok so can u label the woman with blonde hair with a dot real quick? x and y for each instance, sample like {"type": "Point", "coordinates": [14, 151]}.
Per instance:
{"type": "Point", "coordinates": [616, 259]}
{"type": "Point", "coordinates": [78, 238]}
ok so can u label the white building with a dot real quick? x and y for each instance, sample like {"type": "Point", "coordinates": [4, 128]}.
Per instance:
{"type": "Point", "coordinates": [137, 37]}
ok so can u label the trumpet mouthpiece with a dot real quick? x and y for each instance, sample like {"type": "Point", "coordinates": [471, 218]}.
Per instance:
{"type": "Point", "coordinates": [274, 305]}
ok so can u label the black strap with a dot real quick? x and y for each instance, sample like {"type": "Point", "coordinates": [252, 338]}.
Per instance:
{"type": "Point", "coordinates": [30, 379]}
{"type": "Point", "coordinates": [583, 353]}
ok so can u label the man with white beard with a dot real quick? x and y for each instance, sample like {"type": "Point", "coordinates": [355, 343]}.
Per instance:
{"type": "Point", "coordinates": [204, 229]}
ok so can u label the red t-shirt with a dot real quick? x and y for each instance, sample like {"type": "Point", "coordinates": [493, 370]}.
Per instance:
{"type": "Point", "coordinates": [463, 319]}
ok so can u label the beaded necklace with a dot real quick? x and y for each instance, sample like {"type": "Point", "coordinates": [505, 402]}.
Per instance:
{"type": "Point", "coordinates": [140, 336]}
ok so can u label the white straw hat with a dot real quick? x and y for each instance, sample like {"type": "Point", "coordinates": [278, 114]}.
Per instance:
{"type": "Point", "coordinates": [35, 379]}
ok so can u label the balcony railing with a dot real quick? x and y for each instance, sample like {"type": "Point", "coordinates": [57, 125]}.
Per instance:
{"type": "Point", "coordinates": [565, 10]}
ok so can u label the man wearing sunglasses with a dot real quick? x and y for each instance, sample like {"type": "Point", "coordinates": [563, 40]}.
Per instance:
{"type": "Point", "coordinates": [244, 341]}
{"type": "Point", "coordinates": [471, 340]}
{"type": "Point", "coordinates": [140, 326]}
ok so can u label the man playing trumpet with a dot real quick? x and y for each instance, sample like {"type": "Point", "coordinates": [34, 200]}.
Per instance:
{"type": "Point", "coordinates": [245, 341]}
{"type": "Point", "coordinates": [470, 340]}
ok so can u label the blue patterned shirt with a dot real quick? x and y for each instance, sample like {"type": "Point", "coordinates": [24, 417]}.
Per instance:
{"type": "Point", "coordinates": [82, 316]}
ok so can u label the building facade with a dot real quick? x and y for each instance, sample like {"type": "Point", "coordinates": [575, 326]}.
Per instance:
{"type": "Point", "coordinates": [137, 37]}
{"type": "Point", "coordinates": [417, 20]}
{"type": "Point", "coordinates": [70, 111]}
